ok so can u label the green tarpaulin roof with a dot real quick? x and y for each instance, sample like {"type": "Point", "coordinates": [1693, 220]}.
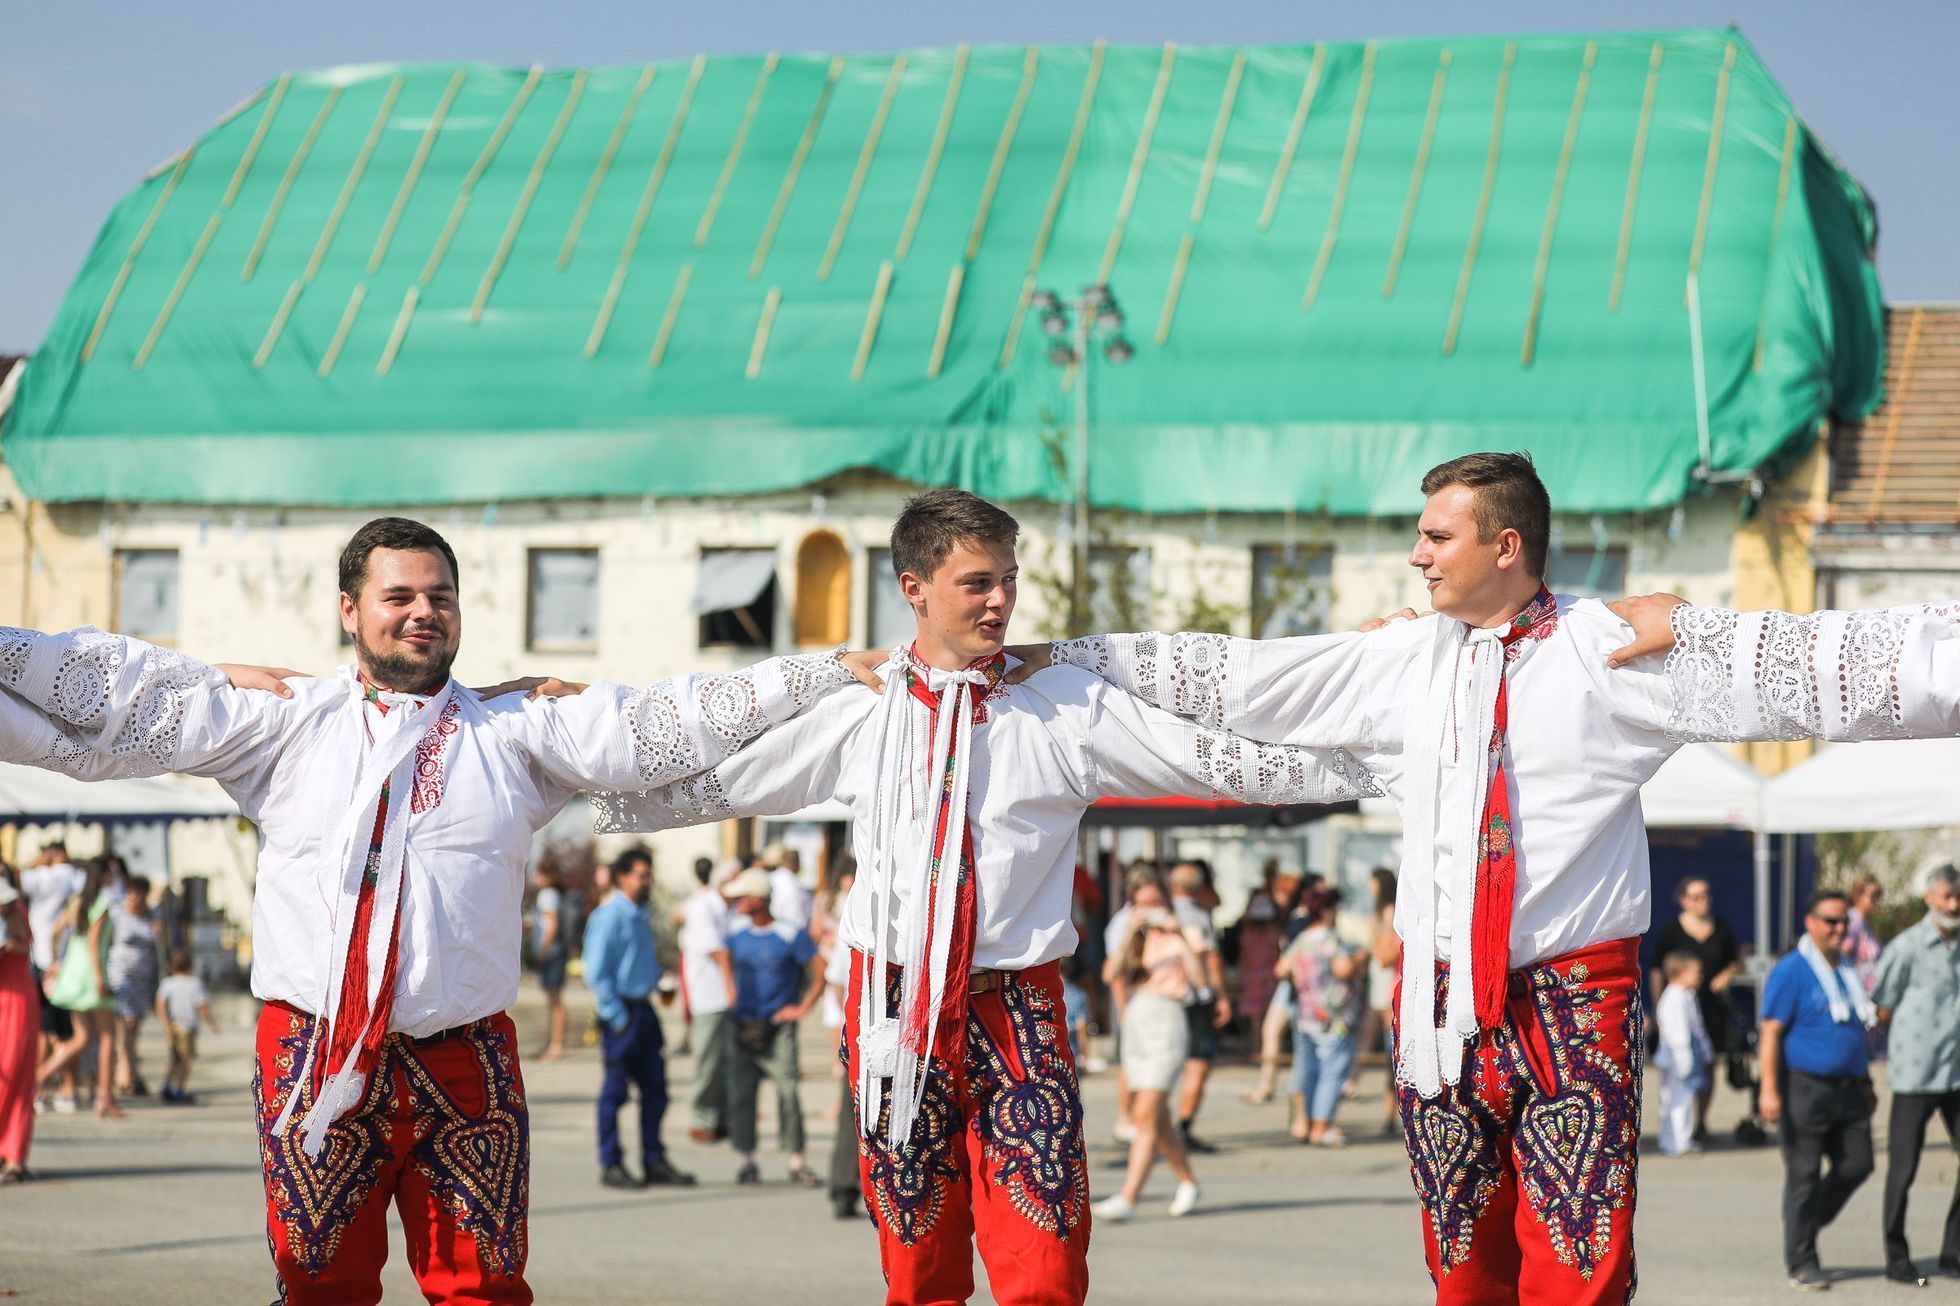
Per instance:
{"type": "Point", "coordinates": [1340, 264]}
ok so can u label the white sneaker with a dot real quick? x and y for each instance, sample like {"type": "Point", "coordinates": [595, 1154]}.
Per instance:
{"type": "Point", "coordinates": [1184, 1199]}
{"type": "Point", "coordinates": [64, 1106]}
{"type": "Point", "coordinates": [1114, 1209]}
{"type": "Point", "coordinates": [1125, 1132]}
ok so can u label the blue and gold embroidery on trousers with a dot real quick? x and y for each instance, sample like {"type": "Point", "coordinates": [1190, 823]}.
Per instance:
{"type": "Point", "coordinates": [1012, 1108]}
{"type": "Point", "coordinates": [1549, 1101]}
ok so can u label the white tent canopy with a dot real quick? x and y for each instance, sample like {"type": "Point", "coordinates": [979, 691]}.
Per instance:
{"type": "Point", "coordinates": [30, 796]}
{"type": "Point", "coordinates": [1703, 786]}
{"type": "Point", "coordinates": [1886, 784]}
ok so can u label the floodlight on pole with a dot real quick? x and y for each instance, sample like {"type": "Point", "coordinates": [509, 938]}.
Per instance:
{"type": "Point", "coordinates": [1093, 318]}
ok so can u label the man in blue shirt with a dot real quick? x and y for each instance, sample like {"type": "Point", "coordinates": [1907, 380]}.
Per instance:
{"type": "Point", "coordinates": [1917, 990]}
{"type": "Point", "coordinates": [1816, 1085]}
{"type": "Point", "coordinates": [622, 970]}
{"type": "Point", "coordinates": [778, 978]}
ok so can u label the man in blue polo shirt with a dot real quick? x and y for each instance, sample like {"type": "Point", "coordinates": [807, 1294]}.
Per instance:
{"type": "Point", "coordinates": [1816, 1085]}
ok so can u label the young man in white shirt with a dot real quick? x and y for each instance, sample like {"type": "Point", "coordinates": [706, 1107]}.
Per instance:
{"type": "Point", "coordinates": [48, 885]}
{"type": "Point", "coordinates": [709, 986]}
{"type": "Point", "coordinates": [396, 810]}
{"type": "Point", "coordinates": [966, 793]}
{"type": "Point", "coordinates": [1516, 756]}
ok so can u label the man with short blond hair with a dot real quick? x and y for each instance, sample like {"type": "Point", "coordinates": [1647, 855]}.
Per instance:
{"type": "Point", "coordinates": [1516, 759]}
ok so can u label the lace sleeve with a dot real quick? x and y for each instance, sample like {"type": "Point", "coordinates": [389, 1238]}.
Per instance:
{"type": "Point", "coordinates": [1272, 775]}
{"type": "Point", "coordinates": [1183, 674]}
{"type": "Point", "coordinates": [681, 726]}
{"type": "Point", "coordinates": [121, 699]}
{"type": "Point", "coordinates": [1882, 673]}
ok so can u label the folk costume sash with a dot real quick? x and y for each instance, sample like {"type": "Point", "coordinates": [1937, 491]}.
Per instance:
{"type": "Point", "coordinates": [371, 847]}
{"type": "Point", "coordinates": [918, 815]}
{"type": "Point", "coordinates": [1457, 733]}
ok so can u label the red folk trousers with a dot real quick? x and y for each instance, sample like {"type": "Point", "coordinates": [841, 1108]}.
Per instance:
{"type": "Point", "coordinates": [996, 1155]}
{"type": "Point", "coordinates": [1526, 1168]}
{"type": "Point", "coordinates": [443, 1134]}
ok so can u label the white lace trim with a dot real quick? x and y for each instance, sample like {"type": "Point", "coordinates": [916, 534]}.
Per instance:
{"type": "Point", "coordinates": [672, 741]}
{"type": "Point", "coordinates": [141, 728]}
{"type": "Point", "coordinates": [1699, 670]}
{"type": "Point", "coordinates": [1183, 674]}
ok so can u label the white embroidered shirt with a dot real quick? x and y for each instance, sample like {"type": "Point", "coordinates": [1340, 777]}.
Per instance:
{"type": "Point", "coordinates": [487, 776]}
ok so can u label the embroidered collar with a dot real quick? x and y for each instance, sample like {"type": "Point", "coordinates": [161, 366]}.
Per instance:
{"type": "Point", "coordinates": [1542, 609]}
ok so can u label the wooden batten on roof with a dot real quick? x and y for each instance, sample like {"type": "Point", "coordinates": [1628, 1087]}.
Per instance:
{"type": "Point", "coordinates": [1901, 466]}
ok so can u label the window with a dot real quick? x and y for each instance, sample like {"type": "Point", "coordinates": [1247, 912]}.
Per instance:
{"type": "Point", "coordinates": [890, 621]}
{"type": "Point", "coordinates": [1119, 588]}
{"type": "Point", "coordinates": [735, 597]}
{"type": "Point", "coordinates": [564, 615]}
{"type": "Point", "coordinates": [146, 594]}
{"type": "Point", "coordinates": [1292, 590]}
{"type": "Point", "coordinates": [823, 590]}
{"type": "Point", "coordinates": [1587, 573]}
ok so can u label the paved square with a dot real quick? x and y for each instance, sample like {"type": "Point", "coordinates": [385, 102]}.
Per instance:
{"type": "Point", "coordinates": [166, 1207]}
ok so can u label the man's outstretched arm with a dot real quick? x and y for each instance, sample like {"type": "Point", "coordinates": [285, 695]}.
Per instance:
{"type": "Point", "coordinates": [1136, 750]}
{"type": "Point", "coordinates": [119, 707]}
{"type": "Point", "coordinates": [1318, 691]}
{"type": "Point", "coordinates": [1877, 673]}
{"type": "Point", "coordinates": [786, 768]}
{"type": "Point", "coordinates": [613, 737]}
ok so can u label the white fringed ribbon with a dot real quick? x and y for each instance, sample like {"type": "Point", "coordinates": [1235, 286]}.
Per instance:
{"type": "Point", "coordinates": [899, 843]}
{"type": "Point", "coordinates": [1448, 755]}
{"type": "Point", "coordinates": [390, 760]}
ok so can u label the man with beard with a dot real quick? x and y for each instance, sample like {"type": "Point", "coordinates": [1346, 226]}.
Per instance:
{"type": "Point", "coordinates": [396, 811]}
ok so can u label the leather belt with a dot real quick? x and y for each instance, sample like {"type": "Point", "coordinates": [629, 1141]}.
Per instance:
{"type": "Point", "coordinates": [444, 1035]}
{"type": "Point", "coordinates": [984, 981]}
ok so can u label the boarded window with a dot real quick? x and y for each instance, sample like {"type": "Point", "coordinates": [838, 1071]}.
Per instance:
{"type": "Point", "coordinates": [823, 590]}
{"type": "Point", "coordinates": [1292, 590]}
{"type": "Point", "coordinates": [1588, 573]}
{"type": "Point", "coordinates": [564, 613]}
{"type": "Point", "coordinates": [146, 594]}
{"type": "Point", "coordinates": [735, 597]}
{"type": "Point", "coordinates": [890, 621]}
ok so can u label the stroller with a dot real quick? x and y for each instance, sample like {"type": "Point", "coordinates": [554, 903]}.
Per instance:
{"type": "Point", "coordinates": [1743, 1004]}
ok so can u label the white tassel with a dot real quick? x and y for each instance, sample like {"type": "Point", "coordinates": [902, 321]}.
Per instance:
{"type": "Point", "coordinates": [338, 1096]}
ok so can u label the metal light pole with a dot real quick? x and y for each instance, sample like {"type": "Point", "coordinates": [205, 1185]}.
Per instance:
{"type": "Point", "coordinates": [1091, 318]}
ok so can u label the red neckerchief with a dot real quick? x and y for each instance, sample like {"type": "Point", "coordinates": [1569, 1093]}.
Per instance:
{"type": "Point", "coordinates": [952, 1006]}
{"type": "Point", "coordinates": [1497, 859]}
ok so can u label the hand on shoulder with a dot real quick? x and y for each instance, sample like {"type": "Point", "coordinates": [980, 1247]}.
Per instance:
{"type": "Point", "coordinates": [1652, 618]}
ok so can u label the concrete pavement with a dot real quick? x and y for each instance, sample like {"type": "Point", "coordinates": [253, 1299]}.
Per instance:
{"type": "Point", "coordinates": [166, 1207]}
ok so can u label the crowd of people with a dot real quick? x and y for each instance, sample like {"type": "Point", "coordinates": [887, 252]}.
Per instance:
{"type": "Point", "coordinates": [758, 953]}
{"type": "Point", "coordinates": [81, 970]}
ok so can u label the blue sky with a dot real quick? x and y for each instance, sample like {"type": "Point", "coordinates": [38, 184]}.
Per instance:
{"type": "Point", "coordinates": [93, 94]}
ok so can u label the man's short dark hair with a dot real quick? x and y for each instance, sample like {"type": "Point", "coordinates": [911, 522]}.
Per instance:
{"type": "Point", "coordinates": [389, 533]}
{"type": "Point", "coordinates": [933, 524]}
{"type": "Point", "coordinates": [1823, 896]}
{"type": "Point", "coordinates": [704, 869]}
{"type": "Point", "coordinates": [627, 860]}
{"type": "Point", "coordinates": [1508, 496]}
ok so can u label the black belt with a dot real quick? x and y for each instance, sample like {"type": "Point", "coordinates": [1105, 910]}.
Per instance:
{"type": "Point", "coordinates": [444, 1035]}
